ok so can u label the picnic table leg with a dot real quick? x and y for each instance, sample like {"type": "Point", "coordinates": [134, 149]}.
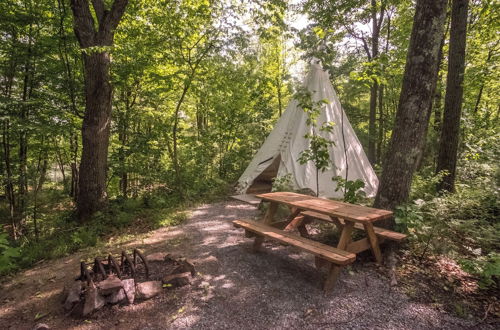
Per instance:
{"type": "Point", "coordinates": [293, 219]}
{"type": "Point", "coordinates": [372, 237]}
{"type": "Point", "coordinates": [345, 236]}
{"type": "Point", "coordinates": [337, 223]}
{"type": "Point", "coordinates": [332, 277]}
{"type": "Point", "coordinates": [333, 273]}
{"type": "Point", "coordinates": [298, 222]}
{"type": "Point", "coordinates": [268, 218]}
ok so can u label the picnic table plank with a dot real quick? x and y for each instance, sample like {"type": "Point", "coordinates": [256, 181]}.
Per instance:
{"type": "Point", "coordinates": [321, 250]}
{"type": "Point", "coordinates": [382, 232]}
{"type": "Point", "coordinates": [343, 210]}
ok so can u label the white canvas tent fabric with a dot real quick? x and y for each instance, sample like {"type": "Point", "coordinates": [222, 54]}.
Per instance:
{"type": "Point", "coordinates": [286, 142]}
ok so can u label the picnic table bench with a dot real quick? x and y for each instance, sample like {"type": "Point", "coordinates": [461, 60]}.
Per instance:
{"type": "Point", "coordinates": [305, 209]}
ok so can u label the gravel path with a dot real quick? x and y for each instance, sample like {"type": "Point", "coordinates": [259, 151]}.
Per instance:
{"type": "Point", "coordinates": [280, 288]}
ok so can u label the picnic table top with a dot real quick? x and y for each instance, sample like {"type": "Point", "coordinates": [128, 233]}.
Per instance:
{"type": "Point", "coordinates": [356, 213]}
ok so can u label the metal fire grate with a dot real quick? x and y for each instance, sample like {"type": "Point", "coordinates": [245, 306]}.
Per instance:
{"type": "Point", "coordinates": [129, 267]}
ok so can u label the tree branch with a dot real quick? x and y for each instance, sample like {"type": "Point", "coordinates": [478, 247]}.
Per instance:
{"type": "Point", "coordinates": [99, 9]}
{"type": "Point", "coordinates": [113, 18]}
{"type": "Point", "coordinates": [83, 23]}
{"type": "Point", "coordinates": [381, 17]}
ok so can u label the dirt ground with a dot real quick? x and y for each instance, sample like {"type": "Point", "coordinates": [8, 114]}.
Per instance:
{"type": "Point", "coordinates": [235, 288]}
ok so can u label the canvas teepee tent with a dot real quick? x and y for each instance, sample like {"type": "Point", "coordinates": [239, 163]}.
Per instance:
{"type": "Point", "coordinates": [279, 154]}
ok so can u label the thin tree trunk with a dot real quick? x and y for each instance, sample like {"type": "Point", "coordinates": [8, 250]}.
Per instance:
{"type": "Point", "coordinates": [372, 126]}
{"type": "Point", "coordinates": [450, 134]}
{"type": "Point", "coordinates": [381, 131]}
{"type": "Point", "coordinates": [480, 93]}
{"type": "Point", "coordinates": [73, 145]}
{"type": "Point", "coordinates": [419, 81]}
{"type": "Point", "coordinates": [9, 185]}
{"type": "Point", "coordinates": [23, 134]}
{"type": "Point", "coordinates": [42, 171]}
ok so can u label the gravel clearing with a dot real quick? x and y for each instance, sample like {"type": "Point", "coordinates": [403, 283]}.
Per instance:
{"type": "Point", "coordinates": [278, 288]}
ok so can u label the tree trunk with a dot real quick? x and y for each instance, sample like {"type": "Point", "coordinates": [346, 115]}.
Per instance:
{"type": "Point", "coordinates": [9, 186]}
{"type": "Point", "coordinates": [419, 82]}
{"type": "Point", "coordinates": [450, 133]}
{"type": "Point", "coordinates": [435, 102]}
{"type": "Point", "coordinates": [95, 135]}
{"type": "Point", "coordinates": [372, 128]}
{"type": "Point", "coordinates": [381, 131]}
{"type": "Point", "coordinates": [480, 93]}
{"type": "Point", "coordinates": [73, 143]}
{"type": "Point", "coordinates": [23, 134]}
{"type": "Point", "coordinates": [92, 195]}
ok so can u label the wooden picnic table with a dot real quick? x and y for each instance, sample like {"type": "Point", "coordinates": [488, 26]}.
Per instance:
{"type": "Point", "coordinates": [344, 215]}
{"type": "Point", "coordinates": [305, 209]}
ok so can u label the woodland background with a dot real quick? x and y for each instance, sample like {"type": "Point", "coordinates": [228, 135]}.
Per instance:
{"type": "Point", "coordinates": [198, 85]}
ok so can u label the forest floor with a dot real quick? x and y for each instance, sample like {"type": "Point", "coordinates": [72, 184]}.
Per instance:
{"type": "Point", "coordinates": [277, 288]}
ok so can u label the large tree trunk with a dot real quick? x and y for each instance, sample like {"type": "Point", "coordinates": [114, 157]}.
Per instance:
{"type": "Point", "coordinates": [450, 133]}
{"type": "Point", "coordinates": [95, 135]}
{"type": "Point", "coordinates": [98, 92]}
{"type": "Point", "coordinates": [435, 102]}
{"type": "Point", "coordinates": [411, 119]}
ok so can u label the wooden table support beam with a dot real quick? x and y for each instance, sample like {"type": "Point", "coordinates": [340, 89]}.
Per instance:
{"type": "Point", "coordinates": [372, 238]}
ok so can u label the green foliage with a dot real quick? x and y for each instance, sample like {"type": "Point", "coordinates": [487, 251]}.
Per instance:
{"type": "Point", "coordinates": [170, 219]}
{"type": "Point", "coordinates": [318, 151]}
{"type": "Point", "coordinates": [352, 189]}
{"type": "Point", "coordinates": [463, 225]}
{"type": "Point", "coordinates": [283, 183]}
{"type": "Point", "coordinates": [424, 186]}
{"type": "Point", "coordinates": [486, 267]}
{"type": "Point", "coordinates": [8, 254]}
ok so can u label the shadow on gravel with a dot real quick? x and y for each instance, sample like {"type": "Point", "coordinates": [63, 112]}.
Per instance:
{"type": "Point", "coordinates": [236, 288]}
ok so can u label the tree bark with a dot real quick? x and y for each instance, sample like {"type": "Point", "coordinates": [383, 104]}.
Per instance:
{"type": "Point", "coordinates": [419, 82]}
{"type": "Point", "coordinates": [94, 40]}
{"type": "Point", "coordinates": [372, 128]}
{"type": "Point", "coordinates": [9, 186]}
{"type": "Point", "coordinates": [450, 133]}
{"type": "Point", "coordinates": [436, 99]}
{"type": "Point", "coordinates": [381, 131]}
{"type": "Point", "coordinates": [23, 134]}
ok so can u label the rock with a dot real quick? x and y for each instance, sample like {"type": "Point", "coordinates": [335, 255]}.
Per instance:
{"type": "Point", "coordinates": [129, 288]}
{"type": "Point", "coordinates": [93, 300]}
{"type": "Point", "coordinates": [147, 290]}
{"type": "Point", "coordinates": [41, 326]}
{"type": "Point", "coordinates": [177, 280]}
{"type": "Point", "coordinates": [184, 266]}
{"type": "Point", "coordinates": [157, 257]}
{"type": "Point", "coordinates": [116, 297]}
{"type": "Point", "coordinates": [73, 297]}
{"type": "Point", "coordinates": [110, 285]}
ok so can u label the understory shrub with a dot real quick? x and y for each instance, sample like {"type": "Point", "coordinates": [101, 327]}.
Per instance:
{"type": "Point", "coordinates": [8, 254]}
{"type": "Point", "coordinates": [463, 225]}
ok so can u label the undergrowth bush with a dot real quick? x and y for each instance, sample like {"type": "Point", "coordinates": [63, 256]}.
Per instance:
{"type": "Point", "coordinates": [463, 225]}
{"type": "Point", "coordinates": [8, 254]}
